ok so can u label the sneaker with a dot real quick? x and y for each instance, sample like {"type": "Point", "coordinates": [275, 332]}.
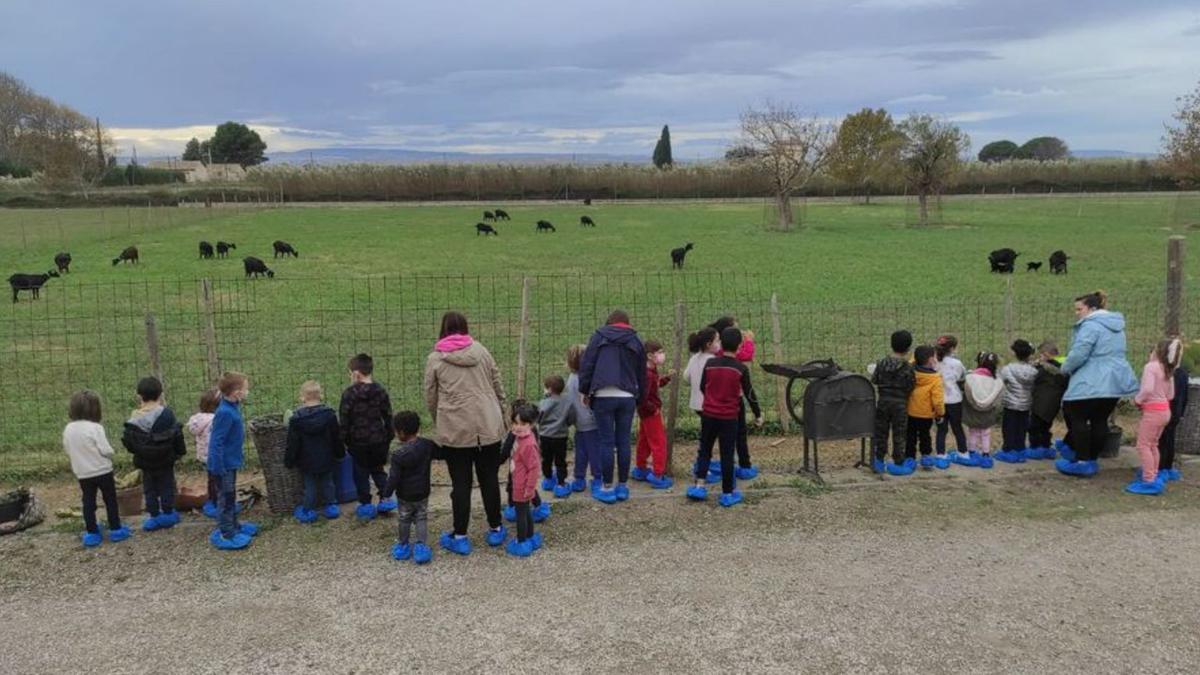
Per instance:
{"type": "Point", "coordinates": [401, 551]}
{"type": "Point", "coordinates": [578, 485]}
{"type": "Point", "coordinates": [1172, 475]}
{"type": "Point", "coordinates": [222, 543]}
{"type": "Point", "coordinates": [1141, 487]}
{"type": "Point", "coordinates": [941, 462]}
{"type": "Point", "coordinates": [421, 553]}
{"type": "Point", "coordinates": [331, 511]}
{"type": "Point", "coordinates": [899, 469]}
{"type": "Point", "coordinates": [562, 491]}
{"type": "Point", "coordinates": [210, 509]}
{"type": "Point", "coordinates": [622, 492]}
{"type": "Point", "coordinates": [639, 473]}
{"type": "Point", "coordinates": [365, 512]}
{"type": "Point", "coordinates": [304, 516]}
{"type": "Point", "coordinates": [878, 467]}
{"type": "Point", "coordinates": [120, 534]}
{"type": "Point", "coordinates": [605, 496]}
{"type": "Point", "coordinates": [926, 461]}
{"type": "Point", "coordinates": [151, 524]}
{"type": "Point", "coordinates": [386, 506]}
{"type": "Point", "coordinates": [519, 549]}
{"type": "Point", "coordinates": [541, 513]}
{"type": "Point", "coordinates": [986, 461]}
{"type": "Point", "coordinates": [659, 482]}
{"type": "Point", "coordinates": [497, 537]}
{"type": "Point", "coordinates": [697, 493]}
{"type": "Point", "coordinates": [536, 540]}
{"type": "Point", "coordinates": [746, 472]}
{"type": "Point", "coordinates": [730, 498]}
{"type": "Point", "coordinates": [1079, 469]}
{"type": "Point", "coordinates": [459, 545]}
{"type": "Point", "coordinates": [510, 514]}
{"type": "Point", "coordinates": [92, 539]}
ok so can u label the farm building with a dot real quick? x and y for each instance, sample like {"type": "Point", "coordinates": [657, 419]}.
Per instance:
{"type": "Point", "coordinates": [199, 172]}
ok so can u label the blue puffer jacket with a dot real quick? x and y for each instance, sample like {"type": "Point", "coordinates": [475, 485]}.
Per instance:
{"type": "Point", "coordinates": [1096, 362]}
{"type": "Point", "coordinates": [615, 357]}
{"type": "Point", "coordinates": [228, 436]}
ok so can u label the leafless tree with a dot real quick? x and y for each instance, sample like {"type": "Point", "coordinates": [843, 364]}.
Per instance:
{"type": "Point", "coordinates": [789, 148]}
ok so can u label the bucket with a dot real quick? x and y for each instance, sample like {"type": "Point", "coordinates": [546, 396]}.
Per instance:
{"type": "Point", "coordinates": [1112, 442]}
{"type": "Point", "coordinates": [343, 481]}
{"type": "Point", "coordinates": [130, 501]}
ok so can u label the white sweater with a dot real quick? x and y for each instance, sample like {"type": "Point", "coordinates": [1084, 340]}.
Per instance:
{"type": "Point", "coordinates": [88, 448]}
{"type": "Point", "coordinates": [953, 372]}
{"type": "Point", "coordinates": [692, 374]}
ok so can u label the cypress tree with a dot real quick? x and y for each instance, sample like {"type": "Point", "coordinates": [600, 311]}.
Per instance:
{"type": "Point", "coordinates": [662, 150]}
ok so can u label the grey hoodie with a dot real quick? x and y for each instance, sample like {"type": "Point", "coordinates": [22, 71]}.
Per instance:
{"type": "Point", "coordinates": [1018, 378]}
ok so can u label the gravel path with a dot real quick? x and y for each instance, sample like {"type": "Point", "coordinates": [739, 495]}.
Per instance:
{"type": "Point", "coordinates": [1038, 575]}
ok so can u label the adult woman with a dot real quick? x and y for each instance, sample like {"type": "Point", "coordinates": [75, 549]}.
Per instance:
{"type": "Point", "coordinates": [466, 398]}
{"type": "Point", "coordinates": [1100, 376]}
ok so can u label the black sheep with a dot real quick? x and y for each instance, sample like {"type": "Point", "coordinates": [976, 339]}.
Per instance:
{"type": "Point", "coordinates": [1002, 260]}
{"type": "Point", "coordinates": [587, 201]}
{"type": "Point", "coordinates": [63, 262]}
{"type": "Point", "coordinates": [545, 226]}
{"type": "Point", "coordinates": [206, 250]}
{"type": "Point", "coordinates": [128, 255]}
{"type": "Point", "coordinates": [501, 214]}
{"type": "Point", "coordinates": [488, 215]}
{"type": "Point", "coordinates": [485, 229]}
{"type": "Point", "coordinates": [1033, 266]}
{"type": "Point", "coordinates": [30, 282]}
{"type": "Point", "coordinates": [223, 249]}
{"type": "Point", "coordinates": [1058, 262]}
{"type": "Point", "coordinates": [587, 220]}
{"type": "Point", "coordinates": [256, 267]}
{"type": "Point", "coordinates": [282, 248]}
{"type": "Point", "coordinates": [678, 254]}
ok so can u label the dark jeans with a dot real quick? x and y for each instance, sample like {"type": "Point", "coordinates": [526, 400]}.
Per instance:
{"type": "Point", "coordinates": [953, 423]}
{"type": "Point", "coordinates": [364, 476]}
{"type": "Point", "coordinates": [227, 504]}
{"type": "Point", "coordinates": [1166, 445]}
{"type": "Point", "coordinates": [614, 424]}
{"type": "Point", "coordinates": [890, 416]}
{"type": "Point", "coordinates": [918, 432]}
{"type": "Point", "coordinates": [1014, 425]}
{"type": "Point", "coordinates": [1088, 421]}
{"type": "Point", "coordinates": [318, 489]}
{"type": "Point", "coordinates": [411, 513]}
{"type": "Point", "coordinates": [585, 454]}
{"type": "Point", "coordinates": [214, 486]}
{"type": "Point", "coordinates": [743, 444]}
{"type": "Point", "coordinates": [485, 462]}
{"type": "Point", "coordinates": [1040, 435]}
{"type": "Point", "coordinates": [108, 490]}
{"type": "Point", "coordinates": [524, 521]}
{"type": "Point", "coordinates": [713, 430]}
{"type": "Point", "coordinates": [554, 455]}
{"type": "Point", "coordinates": [158, 487]}
{"type": "Point", "coordinates": [537, 500]}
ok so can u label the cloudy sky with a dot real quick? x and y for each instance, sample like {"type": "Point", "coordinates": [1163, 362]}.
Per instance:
{"type": "Point", "coordinates": [600, 76]}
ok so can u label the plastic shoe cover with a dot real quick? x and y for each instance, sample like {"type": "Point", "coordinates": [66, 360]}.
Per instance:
{"type": "Point", "coordinates": [519, 549]}
{"type": "Point", "coordinates": [421, 553]}
{"type": "Point", "coordinates": [331, 511]}
{"type": "Point", "coordinates": [964, 459]}
{"type": "Point", "coordinates": [659, 482]}
{"type": "Point", "coordinates": [536, 540]}
{"type": "Point", "coordinates": [120, 534]}
{"type": "Point", "coordinates": [605, 496]}
{"type": "Point", "coordinates": [234, 543]}
{"type": "Point", "coordinates": [304, 516]}
{"type": "Point", "coordinates": [1172, 475]}
{"type": "Point", "coordinates": [597, 484]}
{"type": "Point", "coordinates": [562, 491]}
{"type": "Point", "coordinates": [510, 514]}
{"type": "Point", "coordinates": [622, 492]}
{"type": "Point", "coordinates": [986, 462]}
{"type": "Point", "coordinates": [927, 461]}
{"type": "Point", "coordinates": [578, 485]}
{"type": "Point", "coordinates": [92, 539]}
{"type": "Point", "coordinates": [386, 506]}
{"type": "Point", "coordinates": [712, 478]}
{"type": "Point", "coordinates": [697, 493]}
{"type": "Point", "coordinates": [459, 545]}
{"type": "Point", "coordinates": [169, 519]}
{"type": "Point", "coordinates": [497, 537]}
{"type": "Point", "coordinates": [541, 513]}
{"type": "Point", "coordinates": [547, 484]}
{"type": "Point", "coordinates": [401, 551]}
{"type": "Point", "coordinates": [248, 529]}
{"type": "Point", "coordinates": [1080, 469]}
{"type": "Point", "coordinates": [899, 469]}
{"type": "Point", "coordinates": [151, 524]}
{"type": "Point", "coordinates": [731, 498]}
{"type": "Point", "coordinates": [746, 473]}
{"type": "Point", "coordinates": [941, 462]}
{"type": "Point", "coordinates": [638, 473]}
{"type": "Point", "coordinates": [1064, 451]}
{"type": "Point", "coordinates": [1141, 487]}
{"type": "Point", "coordinates": [365, 512]}
{"type": "Point", "coordinates": [878, 466]}
{"type": "Point", "coordinates": [1009, 457]}
{"type": "Point", "coordinates": [209, 509]}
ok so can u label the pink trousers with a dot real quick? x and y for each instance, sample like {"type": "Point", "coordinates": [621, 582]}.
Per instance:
{"type": "Point", "coordinates": [1149, 430]}
{"type": "Point", "coordinates": [979, 440]}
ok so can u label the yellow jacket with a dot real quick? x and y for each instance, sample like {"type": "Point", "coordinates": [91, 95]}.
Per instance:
{"type": "Point", "coordinates": [928, 397]}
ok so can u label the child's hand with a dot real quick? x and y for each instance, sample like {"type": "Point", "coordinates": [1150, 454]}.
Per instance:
{"type": "Point", "coordinates": [758, 421]}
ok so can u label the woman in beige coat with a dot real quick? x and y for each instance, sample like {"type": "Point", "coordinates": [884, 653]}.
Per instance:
{"type": "Point", "coordinates": [466, 399]}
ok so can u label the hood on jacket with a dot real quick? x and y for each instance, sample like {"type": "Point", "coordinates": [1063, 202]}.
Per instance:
{"type": "Point", "coordinates": [312, 419]}
{"type": "Point", "coordinates": [620, 334]}
{"type": "Point", "coordinates": [468, 356]}
{"type": "Point", "coordinates": [453, 343]}
{"type": "Point", "coordinates": [1113, 321]}
{"type": "Point", "coordinates": [145, 418]}
{"type": "Point", "coordinates": [199, 422]}
{"type": "Point", "coordinates": [890, 365]}
{"type": "Point", "coordinates": [983, 388]}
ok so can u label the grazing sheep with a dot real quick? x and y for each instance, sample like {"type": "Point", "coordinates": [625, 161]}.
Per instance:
{"type": "Point", "coordinates": [501, 214]}
{"type": "Point", "coordinates": [485, 229]}
{"type": "Point", "coordinates": [1033, 266]}
{"type": "Point", "coordinates": [63, 262]}
{"type": "Point", "coordinates": [256, 267]}
{"type": "Point", "coordinates": [678, 254]}
{"type": "Point", "coordinates": [545, 226]}
{"type": "Point", "coordinates": [206, 250]}
{"type": "Point", "coordinates": [128, 255]}
{"type": "Point", "coordinates": [30, 282]}
{"type": "Point", "coordinates": [587, 220]}
{"type": "Point", "coordinates": [223, 249]}
{"type": "Point", "coordinates": [1058, 262]}
{"type": "Point", "coordinates": [282, 248]}
{"type": "Point", "coordinates": [1002, 260]}
{"type": "Point", "coordinates": [488, 215]}
{"type": "Point", "coordinates": [587, 201]}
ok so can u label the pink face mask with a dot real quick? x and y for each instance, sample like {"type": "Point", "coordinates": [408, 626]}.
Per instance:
{"type": "Point", "coordinates": [660, 358]}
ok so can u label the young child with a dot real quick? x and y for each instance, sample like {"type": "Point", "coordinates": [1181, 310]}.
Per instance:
{"type": "Point", "coordinates": [554, 422]}
{"type": "Point", "coordinates": [982, 394]}
{"type": "Point", "coordinates": [540, 511]}
{"type": "Point", "coordinates": [524, 471]}
{"type": "Point", "coordinates": [652, 436]}
{"type": "Point", "coordinates": [703, 345]}
{"type": "Point", "coordinates": [200, 427]}
{"type": "Point", "coordinates": [314, 445]}
{"type": "Point", "coordinates": [1018, 378]}
{"type": "Point", "coordinates": [724, 382]}
{"type": "Point", "coordinates": [408, 479]}
{"type": "Point", "coordinates": [926, 403]}
{"type": "Point", "coordinates": [953, 373]}
{"type": "Point", "coordinates": [586, 453]}
{"type": "Point", "coordinates": [366, 418]}
{"type": "Point", "coordinates": [893, 376]}
{"type": "Point", "coordinates": [1048, 388]}
{"type": "Point", "coordinates": [156, 440]}
{"type": "Point", "coordinates": [1154, 399]}
{"type": "Point", "coordinates": [745, 469]}
{"type": "Point", "coordinates": [91, 462]}
{"type": "Point", "coordinates": [1166, 442]}
{"type": "Point", "coordinates": [225, 459]}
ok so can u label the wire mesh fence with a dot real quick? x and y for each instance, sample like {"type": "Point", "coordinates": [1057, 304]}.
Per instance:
{"type": "Point", "coordinates": [282, 332]}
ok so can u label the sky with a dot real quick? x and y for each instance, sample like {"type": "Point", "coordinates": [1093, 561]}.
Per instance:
{"type": "Point", "coordinates": [601, 76]}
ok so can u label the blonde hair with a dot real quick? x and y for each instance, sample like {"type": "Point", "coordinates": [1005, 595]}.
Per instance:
{"type": "Point", "coordinates": [1169, 352]}
{"type": "Point", "coordinates": [231, 382]}
{"type": "Point", "coordinates": [311, 391]}
{"type": "Point", "coordinates": [575, 357]}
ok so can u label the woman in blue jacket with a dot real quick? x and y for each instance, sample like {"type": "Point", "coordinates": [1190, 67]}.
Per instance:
{"type": "Point", "coordinates": [1100, 376]}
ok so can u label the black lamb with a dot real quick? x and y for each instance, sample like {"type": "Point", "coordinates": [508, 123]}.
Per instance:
{"type": "Point", "coordinates": [206, 250]}
{"type": "Point", "coordinates": [223, 248]}
{"type": "Point", "coordinates": [587, 220]}
{"type": "Point", "coordinates": [63, 262]}
{"type": "Point", "coordinates": [545, 226]}
{"type": "Point", "coordinates": [256, 267]}
{"type": "Point", "coordinates": [488, 215]}
{"type": "Point", "coordinates": [485, 229]}
{"type": "Point", "coordinates": [30, 282]}
{"type": "Point", "coordinates": [678, 254]}
{"type": "Point", "coordinates": [501, 214]}
{"type": "Point", "coordinates": [128, 255]}
{"type": "Point", "coordinates": [1033, 266]}
{"type": "Point", "coordinates": [282, 248]}
{"type": "Point", "coordinates": [1058, 262]}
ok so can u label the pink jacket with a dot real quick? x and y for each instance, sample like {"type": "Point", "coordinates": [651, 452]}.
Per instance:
{"type": "Point", "coordinates": [526, 468]}
{"type": "Point", "coordinates": [1157, 389]}
{"type": "Point", "coordinates": [745, 352]}
{"type": "Point", "coordinates": [200, 426]}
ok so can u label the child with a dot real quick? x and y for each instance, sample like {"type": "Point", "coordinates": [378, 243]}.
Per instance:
{"type": "Point", "coordinates": [652, 436]}
{"type": "Point", "coordinates": [586, 454]}
{"type": "Point", "coordinates": [314, 445]}
{"type": "Point", "coordinates": [926, 403]}
{"type": "Point", "coordinates": [523, 469]}
{"type": "Point", "coordinates": [1048, 388]}
{"type": "Point", "coordinates": [91, 462]}
{"type": "Point", "coordinates": [745, 354]}
{"type": "Point", "coordinates": [894, 378]}
{"type": "Point", "coordinates": [1154, 399]}
{"type": "Point", "coordinates": [156, 441]}
{"type": "Point", "coordinates": [1018, 378]}
{"type": "Point", "coordinates": [724, 382]}
{"type": "Point", "coordinates": [408, 479]}
{"type": "Point", "coordinates": [953, 372]}
{"type": "Point", "coordinates": [200, 426]}
{"type": "Point", "coordinates": [224, 461]}
{"type": "Point", "coordinates": [703, 345]}
{"type": "Point", "coordinates": [554, 421]}
{"type": "Point", "coordinates": [366, 417]}
{"type": "Point", "coordinates": [982, 394]}
{"type": "Point", "coordinates": [540, 511]}
{"type": "Point", "coordinates": [1166, 443]}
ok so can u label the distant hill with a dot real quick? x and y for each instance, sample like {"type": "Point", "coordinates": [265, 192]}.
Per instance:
{"type": "Point", "coordinates": [1117, 154]}
{"type": "Point", "coordinates": [329, 156]}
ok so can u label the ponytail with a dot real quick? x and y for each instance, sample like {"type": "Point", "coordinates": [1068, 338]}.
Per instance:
{"type": "Point", "coordinates": [945, 345]}
{"type": "Point", "coordinates": [1094, 300]}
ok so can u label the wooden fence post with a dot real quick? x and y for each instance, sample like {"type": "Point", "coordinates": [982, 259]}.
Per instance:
{"type": "Point", "coordinates": [785, 417]}
{"type": "Point", "coordinates": [152, 348]}
{"type": "Point", "coordinates": [677, 366]}
{"type": "Point", "coordinates": [210, 331]}
{"type": "Point", "coordinates": [1008, 309]}
{"type": "Point", "coordinates": [1174, 313]}
{"type": "Point", "coordinates": [523, 343]}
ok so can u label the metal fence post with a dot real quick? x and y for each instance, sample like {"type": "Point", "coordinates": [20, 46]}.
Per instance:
{"type": "Point", "coordinates": [522, 344]}
{"type": "Point", "coordinates": [1174, 313]}
{"type": "Point", "coordinates": [210, 331]}
{"type": "Point", "coordinates": [777, 349]}
{"type": "Point", "coordinates": [676, 365]}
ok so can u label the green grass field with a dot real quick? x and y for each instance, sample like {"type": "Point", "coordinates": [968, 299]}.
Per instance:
{"type": "Point", "coordinates": [376, 278]}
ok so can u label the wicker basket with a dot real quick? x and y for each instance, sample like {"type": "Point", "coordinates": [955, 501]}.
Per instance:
{"type": "Point", "coordinates": [285, 487]}
{"type": "Point", "coordinates": [1187, 436]}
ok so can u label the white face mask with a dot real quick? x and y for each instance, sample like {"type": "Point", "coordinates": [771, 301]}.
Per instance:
{"type": "Point", "coordinates": [660, 358]}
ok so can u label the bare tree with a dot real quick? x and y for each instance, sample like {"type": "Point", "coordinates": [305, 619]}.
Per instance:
{"type": "Point", "coordinates": [931, 154]}
{"type": "Point", "coordinates": [789, 148]}
{"type": "Point", "coordinates": [1181, 145]}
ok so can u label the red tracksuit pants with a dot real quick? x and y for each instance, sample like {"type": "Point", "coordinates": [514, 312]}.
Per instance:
{"type": "Point", "coordinates": [652, 442]}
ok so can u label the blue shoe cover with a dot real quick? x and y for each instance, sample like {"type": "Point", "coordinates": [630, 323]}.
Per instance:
{"type": "Point", "coordinates": [365, 512]}
{"type": "Point", "coordinates": [459, 545]}
{"type": "Point", "coordinates": [151, 524]}
{"type": "Point", "coordinates": [401, 551]}
{"type": "Point", "coordinates": [562, 491]}
{"type": "Point", "coordinates": [386, 506]}
{"type": "Point", "coordinates": [986, 462]}
{"type": "Point", "coordinates": [519, 549]}
{"type": "Point", "coordinates": [597, 484]}
{"type": "Point", "coordinates": [168, 520]}
{"type": "Point", "coordinates": [712, 478]}
{"type": "Point", "coordinates": [541, 513]}
{"type": "Point", "coordinates": [1064, 451]}
{"type": "Point", "coordinates": [927, 461]}
{"type": "Point", "coordinates": [605, 496]}
{"type": "Point", "coordinates": [1141, 487]}
{"type": "Point", "coordinates": [578, 485]}
{"type": "Point", "coordinates": [1010, 457]}
{"type": "Point", "coordinates": [746, 473]}
{"type": "Point", "coordinates": [421, 553]}
{"type": "Point", "coordinates": [248, 529]}
{"type": "Point", "coordinates": [638, 473]}
{"type": "Point", "coordinates": [497, 537]}
{"type": "Point", "coordinates": [731, 498]}
{"type": "Point", "coordinates": [659, 482]}
{"type": "Point", "coordinates": [1081, 469]}
{"type": "Point", "coordinates": [331, 511]}
{"type": "Point", "coordinates": [697, 493]}
{"type": "Point", "coordinates": [878, 466]}
{"type": "Point", "coordinates": [536, 540]}
{"type": "Point", "coordinates": [941, 462]}
{"type": "Point", "coordinates": [622, 492]}
{"type": "Point", "coordinates": [234, 543]}
{"type": "Point", "coordinates": [120, 534]}
{"type": "Point", "coordinates": [1172, 475]}
{"type": "Point", "coordinates": [304, 516]}
{"type": "Point", "coordinates": [964, 459]}
{"type": "Point", "coordinates": [899, 469]}
{"type": "Point", "coordinates": [92, 539]}
{"type": "Point", "coordinates": [547, 484]}
{"type": "Point", "coordinates": [510, 514]}
{"type": "Point", "coordinates": [210, 509]}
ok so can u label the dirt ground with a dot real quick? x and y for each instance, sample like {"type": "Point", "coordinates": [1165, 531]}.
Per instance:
{"type": "Point", "coordinates": [1017, 570]}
